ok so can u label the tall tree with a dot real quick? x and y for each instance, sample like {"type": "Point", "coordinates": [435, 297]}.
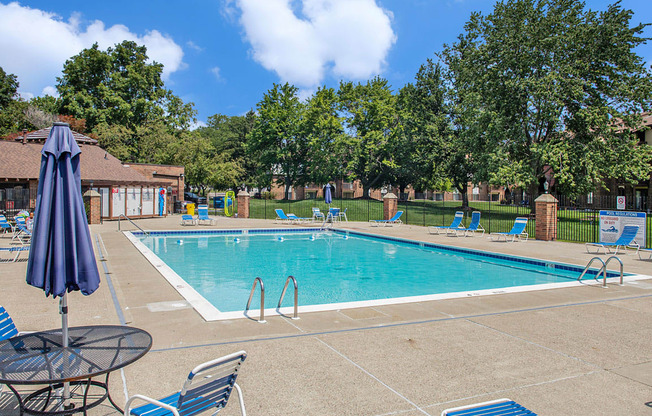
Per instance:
{"type": "Point", "coordinates": [546, 83]}
{"type": "Point", "coordinates": [8, 88]}
{"type": "Point", "coordinates": [119, 87]}
{"type": "Point", "coordinates": [372, 122]}
{"type": "Point", "coordinates": [277, 140]}
{"type": "Point", "coordinates": [328, 146]}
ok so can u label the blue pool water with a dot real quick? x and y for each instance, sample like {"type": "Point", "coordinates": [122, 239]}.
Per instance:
{"type": "Point", "coordinates": [333, 267]}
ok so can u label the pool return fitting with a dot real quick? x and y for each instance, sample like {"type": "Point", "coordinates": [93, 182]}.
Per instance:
{"type": "Point", "coordinates": [261, 318]}
{"type": "Point", "coordinates": [603, 269]}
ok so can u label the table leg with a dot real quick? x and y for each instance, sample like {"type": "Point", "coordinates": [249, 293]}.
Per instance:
{"type": "Point", "coordinates": [108, 392]}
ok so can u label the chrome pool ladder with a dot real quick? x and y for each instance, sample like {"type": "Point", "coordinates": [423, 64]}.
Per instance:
{"type": "Point", "coordinates": [261, 318]}
{"type": "Point", "coordinates": [603, 269]}
{"type": "Point", "coordinates": [296, 296]}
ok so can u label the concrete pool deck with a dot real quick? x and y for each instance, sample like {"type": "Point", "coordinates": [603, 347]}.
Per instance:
{"type": "Point", "coordinates": [572, 351]}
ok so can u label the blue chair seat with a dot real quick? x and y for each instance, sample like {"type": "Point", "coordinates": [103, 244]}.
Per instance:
{"type": "Point", "coordinates": [494, 408]}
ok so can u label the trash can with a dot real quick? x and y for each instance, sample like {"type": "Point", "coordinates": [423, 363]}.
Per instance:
{"type": "Point", "coordinates": [191, 209]}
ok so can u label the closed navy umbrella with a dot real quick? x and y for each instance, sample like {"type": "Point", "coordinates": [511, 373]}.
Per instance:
{"type": "Point", "coordinates": [61, 257]}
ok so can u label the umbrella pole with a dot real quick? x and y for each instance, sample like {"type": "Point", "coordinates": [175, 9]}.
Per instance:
{"type": "Point", "coordinates": [63, 310]}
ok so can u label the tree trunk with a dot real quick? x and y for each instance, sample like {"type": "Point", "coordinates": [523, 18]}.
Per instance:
{"type": "Point", "coordinates": [533, 190]}
{"type": "Point", "coordinates": [287, 188]}
{"type": "Point", "coordinates": [465, 196]}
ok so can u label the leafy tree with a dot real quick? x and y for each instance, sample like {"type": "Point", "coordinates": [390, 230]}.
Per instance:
{"type": "Point", "coordinates": [47, 104]}
{"type": "Point", "coordinates": [203, 167]}
{"type": "Point", "coordinates": [8, 89]}
{"type": "Point", "coordinates": [12, 108]}
{"type": "Point", "coordinates": [277, 140]}
{"type": "Point", "coordinates": [324, 130]}
{"type": "Point", "coordinates": [119, 87]}
{"type": "Point", "coordinates": [228, 136]}
{"type": "Point", "coordinates": [545, 83]}
{"type": "Point", "coordinates": [372, 123]}
{"type": "Point", "coordinates": [115, 139]}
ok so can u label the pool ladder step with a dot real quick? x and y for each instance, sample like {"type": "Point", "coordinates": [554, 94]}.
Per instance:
{"type": "Point", "coordinates": [261, 318]}
{"type": "Point", "coordinates": [603, 269]}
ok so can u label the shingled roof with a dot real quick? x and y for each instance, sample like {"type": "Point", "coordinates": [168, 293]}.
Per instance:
{"type": "Point", "coordinates": [42, 135]}
{"type": "Point", "coordinates": [22, 161]}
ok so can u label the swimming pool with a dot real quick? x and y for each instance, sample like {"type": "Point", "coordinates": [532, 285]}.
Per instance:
{"type": "Point", "coordinates": [215, 269]}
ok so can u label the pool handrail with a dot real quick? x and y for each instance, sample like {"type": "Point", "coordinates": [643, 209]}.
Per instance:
{"type": "Point", "coordinates": [261, 318]}
{"type": "Point", "coordinates": [296, 296]}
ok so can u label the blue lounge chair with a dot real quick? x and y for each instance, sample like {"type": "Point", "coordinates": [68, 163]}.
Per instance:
{"type": "Point", "coordinates": [202, 215]}
{"type": "Point", "coordinates": [473, 227]}
{"type": "Point", "coordinates": [7, 327]}
{"type": "Point", "coordinates": [342, 214]}
{"type": "Point", "coordinates": [187, 219]}
{"type": "Point", "coordinates": [294, 218]}
{"type": "Point", "coordinates": [208, 388]}
{"type": "Point", "coordinates": [5, 226]}
{"type": "Point", "coordinates": [626, 239]}
{"type": "Point", "coordinates": [23, 234]}
{"type": "Point", "coordinates": [317, 214]}
{"type": "Point", "coordinates": [501, 407]}
{"type": "Point", "coordinates": [396, 219]}
{"type": "Point", "coordinates": [647, 251]}
{"type": "Point", "coordinates": [281, 217]}
{"type": "Point", "coordinates": [455, 225]}
{"type": "Point", "coordinates": [517, 231]}
{"type": "Point", "coordinates": [12, 250]}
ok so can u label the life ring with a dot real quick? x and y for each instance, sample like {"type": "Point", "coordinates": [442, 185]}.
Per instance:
{"type": "Point", "coordinates": [229, 198]}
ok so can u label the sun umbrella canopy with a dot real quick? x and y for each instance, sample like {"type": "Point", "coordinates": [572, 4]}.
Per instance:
{"type": "Point", "coordinates": [328, 198]}
{"type": "Point", "coordinates": [61, 257]}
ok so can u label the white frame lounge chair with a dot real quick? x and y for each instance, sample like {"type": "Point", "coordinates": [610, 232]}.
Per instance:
{"type": "Point", "coordinates": [473, 227]}
{"type": "Point", "coordinates": [208, 388]}
{"type": "Point", "coordinates": [202, 215]}
{"type": "Point", "coordinates": [491, 408]}
{"type": "Point", "coordinates": [644, 250]}
{"type": "Point", "coordinates": [627, 238]}
{"type": "Point", "coordinates": [317, 214]}
{"type": "Point", "coordinates": [456, 224]}
{"type": "Point", "coordinates": [16, 250]}
{"type": "Point", "coordinates": [187, 219]}
{"type": "Point", "coordinates": [396, 219]}
{"type": "Point", "coordinates": [517, 231]}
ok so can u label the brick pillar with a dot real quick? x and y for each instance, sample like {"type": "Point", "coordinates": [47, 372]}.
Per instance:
{"type": "Point", "coordinates": [243, 204]}
{"type": "Point", "coordinates": [390, 205]}
{"type": "Point", "coordinates": [546, 207]}
{"type": "Point", "coordinates": [92, 202]}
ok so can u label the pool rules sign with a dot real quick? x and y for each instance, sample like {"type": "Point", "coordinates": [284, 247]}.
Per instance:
{"type": "Point", "coordinates": [612, 223]}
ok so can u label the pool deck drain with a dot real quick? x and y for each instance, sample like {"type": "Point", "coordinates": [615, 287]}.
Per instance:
{"type": "Point", "coordinates": [572, 351]}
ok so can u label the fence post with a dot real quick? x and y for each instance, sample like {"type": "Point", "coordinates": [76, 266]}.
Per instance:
{"type": "Point", "coordinates": [390, 205]}
{"type": "Point", "coordinates": [243, 204]}
{"type": "Point", "coordinates": [546, 217]}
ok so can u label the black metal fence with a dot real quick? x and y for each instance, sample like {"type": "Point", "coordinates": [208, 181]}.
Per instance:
{"type": "Point", "coordinates": [577, 218]}
{"type": "Point", "coordinates": [13, 200]}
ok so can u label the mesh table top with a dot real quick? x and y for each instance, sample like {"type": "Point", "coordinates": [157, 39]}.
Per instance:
{"type": "Point", "coordinates": [40, 358]}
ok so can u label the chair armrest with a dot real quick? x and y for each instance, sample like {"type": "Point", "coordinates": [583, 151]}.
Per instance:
{"type": "Point", "coordinates": [155, 402]}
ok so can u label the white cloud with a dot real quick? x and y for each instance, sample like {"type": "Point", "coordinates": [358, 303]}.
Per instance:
{"type": "Point", "coordinates": [216, 72]}
{"type": "Point", "coordinates": [197, 124]}
{"type": "Point", "coordinates": [35, 44]}
{"type": "Point", "coordinates": [346, 38]}
{"type": "Point", "coordinates": [193, 45]}
{"type": "Point", "coordinates": [50, 90]}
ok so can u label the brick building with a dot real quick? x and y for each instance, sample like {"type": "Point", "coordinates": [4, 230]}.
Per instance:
{"type": "Point", "coordinates": [123, 189]}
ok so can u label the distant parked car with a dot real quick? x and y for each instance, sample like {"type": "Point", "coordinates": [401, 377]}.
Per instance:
{"type": "Point", "coordinates": [194, 198]}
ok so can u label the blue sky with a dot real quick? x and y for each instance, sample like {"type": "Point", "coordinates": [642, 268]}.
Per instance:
{"type": "Point", "coordinates": [224, 54]}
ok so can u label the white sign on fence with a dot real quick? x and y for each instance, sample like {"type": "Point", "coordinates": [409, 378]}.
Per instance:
{"type": "Point", "coordinates": [612, 223]}
{"type": "Point", "coordinates": [620, 202]}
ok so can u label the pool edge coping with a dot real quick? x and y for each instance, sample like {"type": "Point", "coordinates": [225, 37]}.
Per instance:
{"type": "Point", "coordinates": [210, 313]}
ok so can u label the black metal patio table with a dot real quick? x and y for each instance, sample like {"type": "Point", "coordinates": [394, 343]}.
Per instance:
{"type": "Point", "coordinates": [38, 358]}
